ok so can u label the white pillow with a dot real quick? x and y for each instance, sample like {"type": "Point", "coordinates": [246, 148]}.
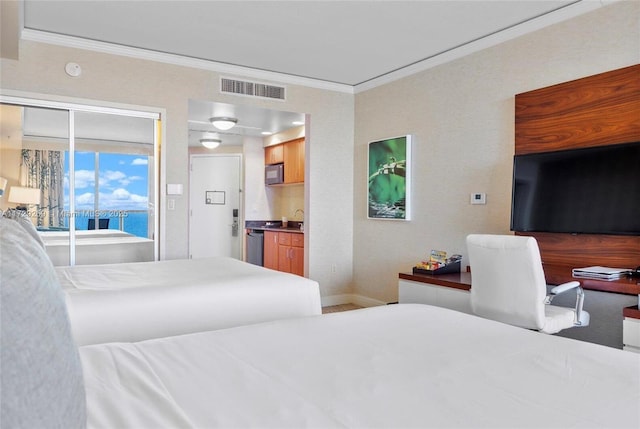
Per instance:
{"type": "Point", "coordinates": [41, 381]}
{"type": "Point", "coordinates": [21, 218]}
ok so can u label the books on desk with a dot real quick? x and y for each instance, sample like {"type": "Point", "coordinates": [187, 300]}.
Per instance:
{"type": "Point", "coordinates": [601, 273]}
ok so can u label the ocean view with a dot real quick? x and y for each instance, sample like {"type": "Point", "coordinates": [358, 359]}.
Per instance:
{"type": "Point", "coordinates": [135, 223]}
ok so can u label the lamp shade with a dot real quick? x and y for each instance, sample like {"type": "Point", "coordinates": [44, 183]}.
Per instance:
{"type": "Point", "coordinates": [223, 122]}
{"type": "Point", "coordinates": [22, 195]}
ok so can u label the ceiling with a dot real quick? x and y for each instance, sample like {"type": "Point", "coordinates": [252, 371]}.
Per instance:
{"type": "Point", "coordinates": [252, 122]}
{"type": "Point", "coordinates": [348, 45]}
{"type": "Point", "coordinates": [343, 42]}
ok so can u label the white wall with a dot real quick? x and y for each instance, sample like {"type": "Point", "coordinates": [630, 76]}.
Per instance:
{"type": "Point", "coordinates": [462, 116]}
{"type": "Point", "coordinates": [116, 79]}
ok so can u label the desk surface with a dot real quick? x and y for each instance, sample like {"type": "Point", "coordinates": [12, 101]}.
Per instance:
{"type": "Point", "coordinates": [555, 274]}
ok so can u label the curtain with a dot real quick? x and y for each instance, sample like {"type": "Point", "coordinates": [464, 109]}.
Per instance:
{"type": "Point", "coordinates": [44, 169]}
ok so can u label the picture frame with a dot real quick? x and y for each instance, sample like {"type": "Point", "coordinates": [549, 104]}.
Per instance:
{"type": "Point", "coordinates": [389, 178]}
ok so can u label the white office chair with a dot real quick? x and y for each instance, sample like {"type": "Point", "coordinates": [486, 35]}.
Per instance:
{"type": "Point", "coordinates": [508, 285]}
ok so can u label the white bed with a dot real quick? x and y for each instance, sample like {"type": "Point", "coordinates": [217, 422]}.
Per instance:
{"type": "Point", "coordinates": [103, 246]}
{"type": "Point", "coordinates": [397, 366]}
{"type": "Point", "coordinates": [138, 301]}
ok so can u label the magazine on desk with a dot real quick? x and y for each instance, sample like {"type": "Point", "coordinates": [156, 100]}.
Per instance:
{"type": "Point", "coordinates": [602, 273]}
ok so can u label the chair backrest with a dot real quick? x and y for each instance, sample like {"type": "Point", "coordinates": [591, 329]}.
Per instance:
{"type": "Point", "coordinates": [507, 279]}
{"type": "Point", "coordinates": [102, 223]}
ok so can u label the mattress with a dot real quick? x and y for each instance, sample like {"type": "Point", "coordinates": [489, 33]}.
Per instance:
{"type": "Point", "coordinates": [100, 246]}
{"type": "Point", "coordinates": [395, 366]}
{"type": "Point", "coordinates": [138, 301]}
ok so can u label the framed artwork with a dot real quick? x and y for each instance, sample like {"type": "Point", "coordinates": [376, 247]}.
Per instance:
{"type": "Point", "coordinates": [389, 183]}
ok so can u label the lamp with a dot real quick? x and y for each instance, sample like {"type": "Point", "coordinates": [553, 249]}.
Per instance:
{"type": "Point", "coordinates": [210, 143]}
{"type": "Point", "coordinates": [223, 123]}
{"type": "Point", "coordinates": [22, 195]}
{"type": "Point", "coordinates": [3, 185]}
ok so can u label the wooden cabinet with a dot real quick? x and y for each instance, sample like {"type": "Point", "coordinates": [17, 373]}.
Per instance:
{"type": "Point", "coordinates": [294, 161]}
{"type": "Point", "coordinates": [291, 154]}
{"type": "Point", "coordinates": [271, 250]}
{"type": "Point", "coordinates": [284, 251]}
{"type": "Point", "coordinates": [274, 154]}
{"type": "Point", "coordinates": [291, 253]}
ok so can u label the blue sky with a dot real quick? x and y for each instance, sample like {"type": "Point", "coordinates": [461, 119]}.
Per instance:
{"type": "Point", "coordinates": [123, 181]}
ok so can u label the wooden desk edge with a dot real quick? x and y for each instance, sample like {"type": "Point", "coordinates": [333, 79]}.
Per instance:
{"type": "Point", "coordinates": [632, 312]}
{"type": "Point", "coordinates": [554, 275]}
{"type": "Point", "coordinates": [456, 281]}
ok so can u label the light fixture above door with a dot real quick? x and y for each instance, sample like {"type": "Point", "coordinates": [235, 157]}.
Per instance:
{"type": "Point", "coordinates": [223, 122]}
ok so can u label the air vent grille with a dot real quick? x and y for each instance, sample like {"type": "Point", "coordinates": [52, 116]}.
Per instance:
{"type": "Point", "coordinates": [252, 89]}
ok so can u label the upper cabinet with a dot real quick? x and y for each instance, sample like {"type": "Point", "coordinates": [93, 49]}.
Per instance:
{"type": "Point", "coordinates": [291, 154]}
{"type": "Point", "coordinates": [294, 161]}
{"type": "Point", "coordinates": [274, 154]}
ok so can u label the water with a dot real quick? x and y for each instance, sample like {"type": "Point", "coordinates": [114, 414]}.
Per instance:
{"type": "Point", "coordinates": [135, 223]}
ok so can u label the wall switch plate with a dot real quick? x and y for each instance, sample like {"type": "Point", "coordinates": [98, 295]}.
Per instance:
{"type": "Point", "coordinates": [478, 198]}
{"type": "Point", "coordinates": [174, 188]}
{"type": "Point", "coordinates": [171, 204]}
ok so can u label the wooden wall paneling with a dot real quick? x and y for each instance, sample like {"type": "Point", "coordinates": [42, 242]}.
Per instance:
{"type": "Point", "coordinates": [584, 250]}
{"type": "Point", "coordinates": [593, 111]}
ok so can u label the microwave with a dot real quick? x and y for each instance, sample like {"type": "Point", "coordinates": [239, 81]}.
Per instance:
{"type": "Point", "coordinates": [274, 174]}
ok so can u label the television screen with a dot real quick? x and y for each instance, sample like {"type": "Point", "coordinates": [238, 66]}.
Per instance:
{"type": "Point", "coordinates": [585, 191]}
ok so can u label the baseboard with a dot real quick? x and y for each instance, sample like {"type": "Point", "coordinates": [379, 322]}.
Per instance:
{"type": "Point", "coordinates": [349, 298]}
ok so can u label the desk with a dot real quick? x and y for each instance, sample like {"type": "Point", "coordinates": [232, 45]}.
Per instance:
{"type": "Point", "coordinates": [554, 274]}
{"type": "Point", "coordinates": [442, 290]}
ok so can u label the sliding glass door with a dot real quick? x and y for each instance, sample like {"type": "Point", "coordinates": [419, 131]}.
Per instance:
{"type": "Point", "coordinates": [94, 174]}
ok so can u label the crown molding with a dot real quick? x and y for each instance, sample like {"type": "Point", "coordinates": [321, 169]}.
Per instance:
{"type": "Point", "coordinates": [179, 60]}
{"type": "Point", "coordinates": [570, 11]}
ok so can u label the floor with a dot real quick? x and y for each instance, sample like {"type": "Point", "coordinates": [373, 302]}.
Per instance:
{"type": "Point", "coordinates": [340, 307]}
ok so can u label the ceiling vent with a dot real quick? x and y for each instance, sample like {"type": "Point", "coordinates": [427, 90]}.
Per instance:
{"type": "Point", "coordinates": [253, 89]}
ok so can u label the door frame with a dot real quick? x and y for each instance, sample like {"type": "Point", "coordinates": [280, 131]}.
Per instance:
{"type": "Point", "coordinates": [240, 197]}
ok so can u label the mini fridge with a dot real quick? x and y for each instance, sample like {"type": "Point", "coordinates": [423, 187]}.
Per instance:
{"type": "Point", "coordinates": [255, 247]}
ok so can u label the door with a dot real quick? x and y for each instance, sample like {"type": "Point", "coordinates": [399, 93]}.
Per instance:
{"type": "Point", "coordinates": [214, 199]}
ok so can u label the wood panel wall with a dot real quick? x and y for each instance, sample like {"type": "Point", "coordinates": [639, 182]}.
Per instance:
{"type": "Point", "coordinates": [598, 110]}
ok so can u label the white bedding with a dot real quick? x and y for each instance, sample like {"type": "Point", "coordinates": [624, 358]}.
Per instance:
{"type": "Point", "coordinates": [99, 246]}
{"type": "Point", "coordinates": [138, 301]}
{"type": "Point", "coordinates": [396, 366]}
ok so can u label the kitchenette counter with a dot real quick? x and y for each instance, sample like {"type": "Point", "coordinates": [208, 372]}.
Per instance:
{"type": "Point", "coordinates": [293, 226]}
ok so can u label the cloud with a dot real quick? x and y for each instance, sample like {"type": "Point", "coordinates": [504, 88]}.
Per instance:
{"type": "Point", "coordinates": [140, 161]}
{"type": "Point", "coordinates": [84, 179]}
{"type": "Point", "coordinates": [109, 179]}
{"type": "Point", "coordinates": [118, 199]}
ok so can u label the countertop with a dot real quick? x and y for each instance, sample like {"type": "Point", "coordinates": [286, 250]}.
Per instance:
{"type": "Point", "coordinates": [273, 225]}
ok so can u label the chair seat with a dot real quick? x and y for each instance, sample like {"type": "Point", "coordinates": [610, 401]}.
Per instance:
{"type": "Point", "coordinates": [559, 318]}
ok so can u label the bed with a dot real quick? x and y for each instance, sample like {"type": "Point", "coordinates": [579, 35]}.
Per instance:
{"type": "Point", "coordinates": [404, 365]}
{"type": "Point", "coordinates": [104, 246]}
{"type": "Point", "coordinates": [143, 300]}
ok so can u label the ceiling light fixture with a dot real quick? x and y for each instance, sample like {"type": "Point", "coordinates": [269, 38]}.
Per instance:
{"type": "Point", "coordinates": [210, 143]}
{"type": "Point", "coordinates": [223, 122]}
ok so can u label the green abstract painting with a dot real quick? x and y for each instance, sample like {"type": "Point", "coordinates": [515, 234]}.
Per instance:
{"type": "Point", "coordinates": [389, 178]}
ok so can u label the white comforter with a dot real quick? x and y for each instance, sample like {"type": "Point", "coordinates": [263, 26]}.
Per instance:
{"type": "Point", "coordinates": [139, 301]}
{"type": "Point", "coordinates": [396, 366]}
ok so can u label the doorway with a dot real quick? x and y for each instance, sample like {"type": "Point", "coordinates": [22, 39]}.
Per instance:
{"type": "Point", "coordinates": [215, 206]}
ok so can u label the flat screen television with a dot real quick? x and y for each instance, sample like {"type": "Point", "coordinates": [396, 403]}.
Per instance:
{"type": "Point", "coordinates": [593, 190]}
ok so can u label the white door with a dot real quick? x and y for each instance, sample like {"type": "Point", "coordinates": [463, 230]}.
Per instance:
{"type": "Point", "coordinates": [214, 199]}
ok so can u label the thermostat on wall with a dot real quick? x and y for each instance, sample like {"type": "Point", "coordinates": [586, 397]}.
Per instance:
{"type": "Point", "coordinates": [479, 198]}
